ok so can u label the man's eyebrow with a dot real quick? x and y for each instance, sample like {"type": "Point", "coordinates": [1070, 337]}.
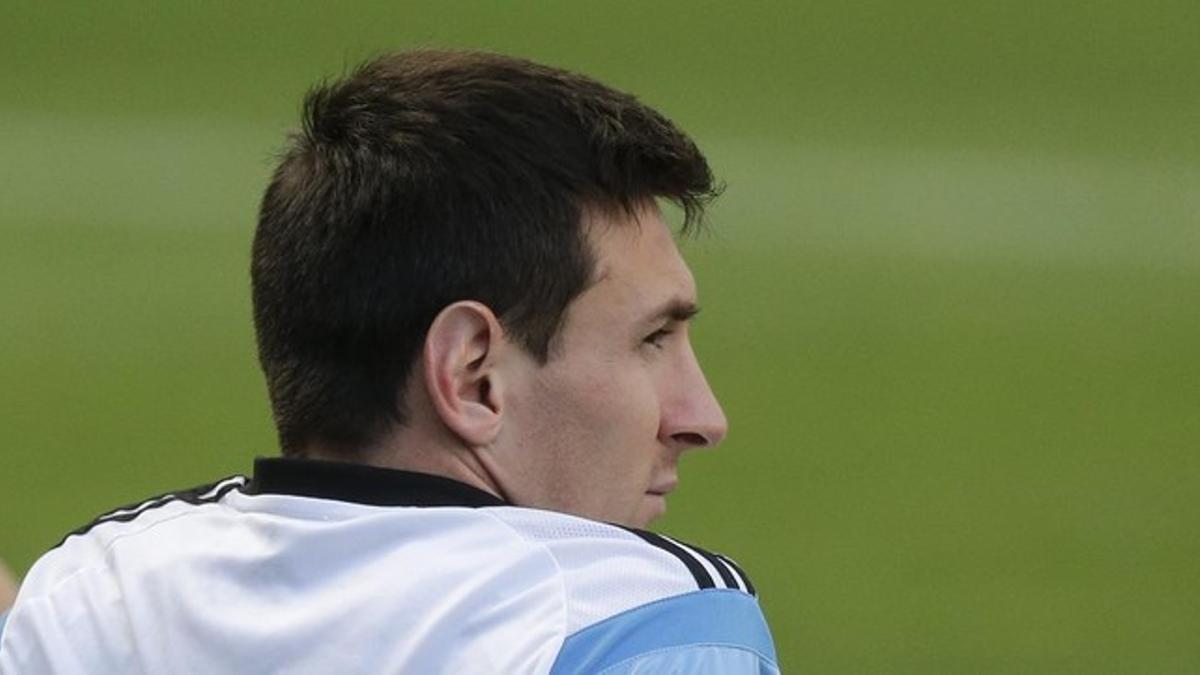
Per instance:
{"type": "Point", "coordinates": [675, 310]}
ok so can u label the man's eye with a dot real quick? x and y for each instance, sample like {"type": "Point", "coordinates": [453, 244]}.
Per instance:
{"type": "Point", "coordinates": [657, 337]}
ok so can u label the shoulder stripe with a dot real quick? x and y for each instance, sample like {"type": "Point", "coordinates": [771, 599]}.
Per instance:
{"type": "Point", "coordinates": [745, 578]}
{"type": "Point", "coordinates": [709, 561]}
{"type": "Point", "coordinates": [690, 560]}
{"type": "Point", "coordinates": [204, 494]}
{"type": "Point", "coordinates": [734, 575]}
{"type": "Point", "coordinates": [219, 489]}
{"type": "Point", "coordinates": [704, 565]}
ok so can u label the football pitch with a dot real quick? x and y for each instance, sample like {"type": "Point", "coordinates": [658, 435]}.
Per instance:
{"type": "Point", "coordinates": [951, 294]}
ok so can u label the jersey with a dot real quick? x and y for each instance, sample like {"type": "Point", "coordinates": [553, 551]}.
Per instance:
{"type": "Point", "coordinates": [323, 567]}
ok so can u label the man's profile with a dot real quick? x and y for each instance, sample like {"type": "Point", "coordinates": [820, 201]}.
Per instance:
{"type": "Point", "coordinates": [473, 322]}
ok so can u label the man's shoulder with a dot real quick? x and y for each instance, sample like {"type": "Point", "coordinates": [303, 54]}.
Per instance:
{"type": "Point", "coordinates": [71, 603]}
{"type": "Point", "coordinates": [88, 544]}
{"type": "Point", "coordinates": [608, 569]}
{"type": "Point", "coordinates": [637, 601]}
{"type": "Point", "coordinates": [581, 542]}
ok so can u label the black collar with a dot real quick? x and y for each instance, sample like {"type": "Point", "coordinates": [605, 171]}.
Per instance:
{"type": "Point", "coordinates": [362, 484]}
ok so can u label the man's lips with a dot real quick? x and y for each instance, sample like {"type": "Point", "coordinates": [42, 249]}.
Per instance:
{"type": "Point", "coordinates": [664, 488]}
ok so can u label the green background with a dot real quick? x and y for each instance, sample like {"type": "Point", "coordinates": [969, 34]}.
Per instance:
{"type": "Point", "coordinates": [950, 294]}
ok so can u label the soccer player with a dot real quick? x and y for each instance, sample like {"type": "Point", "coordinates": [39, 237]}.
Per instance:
{"type": "Point", "coordinates": [473, 322]}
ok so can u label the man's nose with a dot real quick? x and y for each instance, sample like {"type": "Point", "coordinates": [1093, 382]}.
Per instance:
{"type": "Point", "coordinates": [691, 415]}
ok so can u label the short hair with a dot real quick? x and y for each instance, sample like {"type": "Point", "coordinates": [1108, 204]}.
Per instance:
{"type": "Point", "coordinates": [424, 178]}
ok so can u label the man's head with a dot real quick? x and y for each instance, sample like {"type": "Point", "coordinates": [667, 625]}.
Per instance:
{"type": "Point", "coordinates": [445, 244]}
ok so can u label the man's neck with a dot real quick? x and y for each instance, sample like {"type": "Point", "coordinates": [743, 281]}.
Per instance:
{"type": "Point", "coordinates": [410, 451]}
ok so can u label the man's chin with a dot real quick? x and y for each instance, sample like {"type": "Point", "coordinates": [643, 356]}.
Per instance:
{"type": "Point", "coordinates": [652, 507]}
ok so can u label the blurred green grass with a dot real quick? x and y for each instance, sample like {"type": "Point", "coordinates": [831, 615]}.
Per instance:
{"type": "Point", "coordinates": [950, 293]}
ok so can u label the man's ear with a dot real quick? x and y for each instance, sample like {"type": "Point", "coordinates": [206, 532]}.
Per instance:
{"type": "Point", "coordinates": [460, 374]}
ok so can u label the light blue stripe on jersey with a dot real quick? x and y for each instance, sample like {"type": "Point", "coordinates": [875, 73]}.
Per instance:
{"type": "Point", "coordinates": [706, 630]}
{"type": "Point", "coordinates": [3, 620]}
{"type": "Point", "coordinates": [694, 660]}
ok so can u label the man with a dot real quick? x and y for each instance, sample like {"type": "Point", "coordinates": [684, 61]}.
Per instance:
{"type": "Point", "coordinates": [473, 323]}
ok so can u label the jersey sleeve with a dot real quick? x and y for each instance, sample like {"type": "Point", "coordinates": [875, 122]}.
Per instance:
{"type": "Point", "coordinates": [712, 631]}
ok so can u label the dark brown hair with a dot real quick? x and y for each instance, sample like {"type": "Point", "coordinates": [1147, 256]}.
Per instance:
{"type": "Point", "coordinates": [428, 177]}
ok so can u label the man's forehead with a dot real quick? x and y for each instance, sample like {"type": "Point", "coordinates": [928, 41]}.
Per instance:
{"type": "Point", "coordinates": [641, 252]}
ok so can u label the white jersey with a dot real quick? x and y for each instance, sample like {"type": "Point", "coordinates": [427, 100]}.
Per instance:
{"type": "Point", "coordinates": [320, 567]}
